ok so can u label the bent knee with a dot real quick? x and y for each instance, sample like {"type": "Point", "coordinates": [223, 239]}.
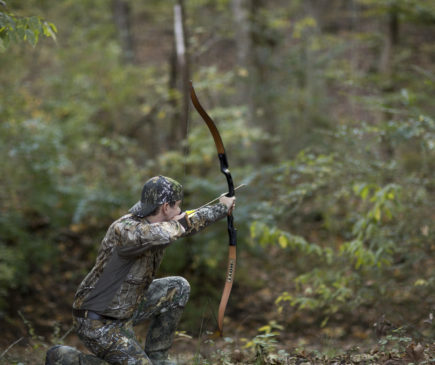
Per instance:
{"type": "Point", "coordinates": [183, 289]}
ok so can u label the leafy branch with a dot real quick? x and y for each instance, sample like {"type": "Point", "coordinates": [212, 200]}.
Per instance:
{"type": "Point", "coordinates": [16, 29]}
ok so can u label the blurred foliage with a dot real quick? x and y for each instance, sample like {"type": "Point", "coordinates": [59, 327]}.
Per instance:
{"type": "Point", "coordinates": [338, 154]}
{"type": "Point", "coordinates": [374, 232]}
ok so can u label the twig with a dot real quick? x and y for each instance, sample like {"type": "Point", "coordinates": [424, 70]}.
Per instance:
{"type": "Point", "coordinates": [10, 346]}
{"type": "Point", "coordinates": [66, 334]}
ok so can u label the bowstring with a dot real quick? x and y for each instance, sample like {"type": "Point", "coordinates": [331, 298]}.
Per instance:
{"type": "Point", "coordinates": [186, 146]}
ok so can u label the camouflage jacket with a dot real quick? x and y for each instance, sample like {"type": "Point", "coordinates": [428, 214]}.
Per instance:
{"type": "Point", "coordinates": [129, 257]}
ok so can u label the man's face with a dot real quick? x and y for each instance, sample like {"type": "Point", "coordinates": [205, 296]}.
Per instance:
{"type": "Point", "coordinates": [170, 212]}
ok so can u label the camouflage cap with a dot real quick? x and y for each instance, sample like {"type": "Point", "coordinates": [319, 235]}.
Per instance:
{"type": "Point", "coordinates": [157, 191]}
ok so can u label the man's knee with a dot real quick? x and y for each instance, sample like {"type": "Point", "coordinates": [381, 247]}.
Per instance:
{"type": "Point", "coordinates": [184, 290]}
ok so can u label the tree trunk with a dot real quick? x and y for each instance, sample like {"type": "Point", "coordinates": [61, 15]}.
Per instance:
{"type": "Point", "coordinates": [242, 26]}
{"type": "Point", "coordinates": [264, 42]}
{"type": "Point", "coordinates": [391, 41]}
{"type": "Point", "coordinates": [121, 15]}
{"type": "Point", "coordinates": [179, 77]}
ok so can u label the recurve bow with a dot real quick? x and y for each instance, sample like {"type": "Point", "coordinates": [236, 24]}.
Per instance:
{"type": "Point", "coordinates": [232, 232]}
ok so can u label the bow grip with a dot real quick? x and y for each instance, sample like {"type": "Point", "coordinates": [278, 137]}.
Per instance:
{"type": "Point", "coordinates": [232, 232]}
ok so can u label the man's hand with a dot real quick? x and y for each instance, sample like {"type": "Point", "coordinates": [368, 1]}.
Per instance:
{"type": "Point", "coordinates": [179, 216]}
{"type": "Point", "coordinates": [229, 202]}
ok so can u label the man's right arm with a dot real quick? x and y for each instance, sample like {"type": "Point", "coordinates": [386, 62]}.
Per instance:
{"type": "Point", "coordinates": [137, 237]}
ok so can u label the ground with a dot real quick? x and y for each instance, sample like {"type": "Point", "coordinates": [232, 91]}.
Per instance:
{"type": "Point", "coordinates": [254, 332]}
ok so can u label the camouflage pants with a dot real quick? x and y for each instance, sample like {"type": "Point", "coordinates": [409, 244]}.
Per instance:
{"type": "Point", "coordinates": [115, 341]}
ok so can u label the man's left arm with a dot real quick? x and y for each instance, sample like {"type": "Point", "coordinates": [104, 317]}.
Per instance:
{"type": "Point", "coordinates": [202, 218]}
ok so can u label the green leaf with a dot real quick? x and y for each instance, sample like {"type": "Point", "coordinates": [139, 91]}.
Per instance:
{"type": "Point", "coordinates": [10, 22]}
{"type": "Point", "coordinates": [377, 213]}
{"type": "Point", "coordinates": [52, 26]}
{"type": "Point", "coordinates": [49, 30]}
{"type": "Point", "coordinates": [324, 322]}
{"type": "Point", "coordinates": [30, 36]}
{"type": "Point", "coordinates": [365, 192]}
{"type": "Point", "coordinates": [34, 24]}
{"type": "Point", "coordinates": [283, 241]}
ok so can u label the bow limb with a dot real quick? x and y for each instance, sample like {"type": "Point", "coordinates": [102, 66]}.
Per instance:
{"type": "Point", "coordinates": [232, 233]}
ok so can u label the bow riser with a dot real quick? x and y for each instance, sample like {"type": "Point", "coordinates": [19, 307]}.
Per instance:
{"type": "Point", "coordinates": [232, 232]}
{"type": "Point", "coordinates": [226, 171]}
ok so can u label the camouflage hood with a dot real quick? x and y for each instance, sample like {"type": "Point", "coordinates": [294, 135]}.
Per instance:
{"type": "Point", "coordinates": [157, 191]}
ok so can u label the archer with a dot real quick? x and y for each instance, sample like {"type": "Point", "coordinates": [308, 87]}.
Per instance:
{"type": "Point", "coordinates": [121, 290]}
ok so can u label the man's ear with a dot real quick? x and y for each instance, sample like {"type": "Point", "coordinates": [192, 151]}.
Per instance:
{"type": "Point", "coordinates": [164, 208]}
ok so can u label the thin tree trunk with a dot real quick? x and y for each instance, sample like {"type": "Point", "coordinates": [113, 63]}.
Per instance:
{"type": "Point", "coordinates": [391, 41]}
{"type": "Point", "coordinates": [242, 27]}
{"type": "Point", "coordinates": [263, 97]}
{"type": "Point", "coordinates": [121, 15]}
{"type": "Point", "coordinates": [179, 78]}
{"type": "Point", "coordinates": [387, 69]}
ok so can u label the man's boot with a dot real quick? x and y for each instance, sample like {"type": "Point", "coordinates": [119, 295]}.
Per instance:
{"type": "Point", "coordinates": [66, 355]}
{"type": "Point", "coordinates": [160, 358]}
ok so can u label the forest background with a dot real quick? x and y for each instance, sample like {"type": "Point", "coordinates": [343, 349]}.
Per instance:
{"type": "Point", "coordinates": [326, 111]}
